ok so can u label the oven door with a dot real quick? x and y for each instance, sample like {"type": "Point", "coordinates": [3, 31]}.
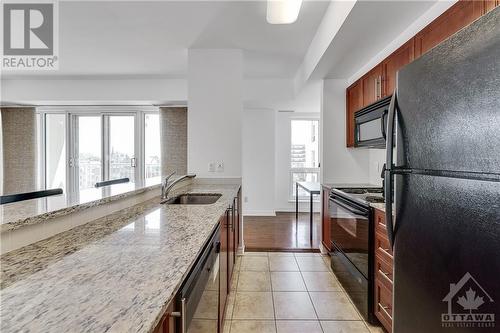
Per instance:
{"type": "Point", "coordinates": [350, 231]}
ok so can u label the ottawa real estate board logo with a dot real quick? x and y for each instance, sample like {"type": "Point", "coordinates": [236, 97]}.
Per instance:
{"type": "Point", "coordinates": [469, 305]}
{"type": "Point", "coordinates": [30, 35]}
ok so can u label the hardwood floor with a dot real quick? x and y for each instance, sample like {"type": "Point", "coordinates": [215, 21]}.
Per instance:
{"type": "Point", "coordinates": [268, 233]}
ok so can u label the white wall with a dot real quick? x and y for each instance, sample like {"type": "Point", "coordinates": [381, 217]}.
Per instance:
{"type": "Point", "coordinates": [377, 160]}
{"type": "Point", "coordinates": [214, 111]}
{"type": "Point", "coordinates": [340, 164]}
{"type": "Point", "coordinates": [258, 162]}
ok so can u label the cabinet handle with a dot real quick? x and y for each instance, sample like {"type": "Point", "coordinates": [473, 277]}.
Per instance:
{"type": "Point", "coordinates": [386, 309]}
{"type": "Point", "coordinates": [386, 275]}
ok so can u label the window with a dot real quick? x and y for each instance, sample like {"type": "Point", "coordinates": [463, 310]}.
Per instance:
{"type": "Point", "coordinates": [304, 153]}
{"type": "Point", "coordinates": [80, 147]}
{"type": "Point", "coordinates": [152, 151]}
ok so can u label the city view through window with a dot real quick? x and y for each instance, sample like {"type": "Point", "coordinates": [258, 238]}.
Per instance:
{"type": "Point", "coordinates": [104, 149]}
{"type": "Point", "coordinates": [304, 152]}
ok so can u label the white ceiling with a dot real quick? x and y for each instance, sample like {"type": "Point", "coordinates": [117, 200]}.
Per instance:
{"type": "Point", "coordinates": [137, 38]}
{"type": "Point", "coordinates": [369, 28]}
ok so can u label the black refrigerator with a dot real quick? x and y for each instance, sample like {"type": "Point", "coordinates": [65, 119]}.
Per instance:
{"type": "Point", "coordinates": [443, 176]}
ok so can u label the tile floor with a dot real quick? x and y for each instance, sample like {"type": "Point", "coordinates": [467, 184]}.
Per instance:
{"type": "Point", "coordinates": [284, 292]}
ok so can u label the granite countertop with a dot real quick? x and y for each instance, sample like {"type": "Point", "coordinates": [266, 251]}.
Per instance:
{"type": "Point", "coordinates": [18, 214]}
{"type": "Point", "coordinates": [114, 274]}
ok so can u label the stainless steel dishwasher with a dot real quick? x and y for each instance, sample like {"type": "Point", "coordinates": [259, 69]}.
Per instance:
{"type": "Point", "coordinates": [198, 299]}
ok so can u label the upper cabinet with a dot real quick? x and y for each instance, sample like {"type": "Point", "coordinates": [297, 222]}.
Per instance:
{"type": "Point", "coordinates": [372, 85]}
{"type": "Point", "coordinates": [455, 18]}
{"type": "Point", "coordinates": [402, 56]}
{"type": "Point", "coordinates": [381, 80]}
{"type": "Point", "coordinates": [354, 97]}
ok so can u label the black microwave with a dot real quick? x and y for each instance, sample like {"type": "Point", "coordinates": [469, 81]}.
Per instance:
{"type": "Point", "coordinates": [371, 123]}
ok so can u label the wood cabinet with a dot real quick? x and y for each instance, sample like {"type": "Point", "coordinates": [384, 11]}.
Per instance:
{"type": "Point", "coordinates": [455, 18]}
{"type": "Point", "coordinates": [381, 80]}
{"type": "Point", "coordinates": [238, 217]}
{"type": "Point", "coordinates": [372, 85]}
{"type": "Point", "coordinates": [399, 58]}
{"type": "Point", "coordinates": [325, 218]}
{"type": "Point", "coordinates": [223, 271]}
{"type": "Point", "coordinates": [354, 97]}
{"type": "Point", "coordinates": [166, 324]}
{"type": "Point", "coordinates": [383, 272]}
{"type": "Point", "coordinates": [230, 221]}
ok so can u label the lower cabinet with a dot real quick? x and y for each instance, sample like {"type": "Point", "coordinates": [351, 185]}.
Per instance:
{"type": "Point", "coordinates": [223, 267]}
{"type": "Point", "coordinates": [383, 272]}
{"type": "Point", "coordinates": [325, 218]}
{"type": "Point", "coordinates": [230, 227]}
{"type": "Point", "coordinates": [166, 324]}
{"type": "Point", "coordinates": [231, 241]}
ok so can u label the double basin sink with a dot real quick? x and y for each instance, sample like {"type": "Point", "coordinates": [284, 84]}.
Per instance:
{"type": "Point", "coordinates": [193, 199]}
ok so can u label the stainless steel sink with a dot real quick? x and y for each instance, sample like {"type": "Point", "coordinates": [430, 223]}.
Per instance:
{"type": "Point", "coordinates": [194, 199]}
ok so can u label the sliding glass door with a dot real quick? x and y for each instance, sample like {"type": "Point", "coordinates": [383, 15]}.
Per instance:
{"type": "Point", "coordinates": [104, 148]}
{"type": "Point", "coordinates": [88, 153]}
{"type": "Point", "coordinates": [120, 147]}
{"type": "Point", "coordinates": [81, 147]}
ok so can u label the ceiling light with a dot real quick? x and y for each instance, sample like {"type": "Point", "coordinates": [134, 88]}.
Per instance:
{"type": "Point", "coordinates": [283, 11]}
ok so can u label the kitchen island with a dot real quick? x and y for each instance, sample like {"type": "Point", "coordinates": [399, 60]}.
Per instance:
{"type": "Point", "coordinates": [115, 274]}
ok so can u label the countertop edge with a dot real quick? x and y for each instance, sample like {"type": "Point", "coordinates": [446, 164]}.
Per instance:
{"type": "Point", "coordinates": [44, 217]}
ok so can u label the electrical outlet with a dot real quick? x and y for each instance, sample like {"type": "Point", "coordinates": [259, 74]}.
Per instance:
{"type": "Point", "coordinates": [220, 167]}
{"type": "Point", "coordinates": [211, 167]}
{"type": "Point", "coordinates": [245, 199]}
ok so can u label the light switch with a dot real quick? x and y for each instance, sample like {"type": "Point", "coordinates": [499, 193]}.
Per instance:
{"type": "Point", "coordinates": [211, 167]}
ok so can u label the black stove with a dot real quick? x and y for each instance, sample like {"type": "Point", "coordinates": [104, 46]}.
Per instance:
{"type": "Point", "coordinates": [363, 195]}
{"type": "Point", "coordinates": [352, 241]}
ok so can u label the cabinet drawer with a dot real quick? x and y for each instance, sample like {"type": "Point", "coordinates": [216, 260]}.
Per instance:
{"type": "Point", "coordinates": [384, 272]}
{"type": "Point", "coordinates": [383, 305]}
{"type": "Point", "coordinates": [383, 248]}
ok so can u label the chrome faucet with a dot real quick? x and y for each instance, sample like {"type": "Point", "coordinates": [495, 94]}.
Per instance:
{"type": "Point", "coordinates": [166, 186]}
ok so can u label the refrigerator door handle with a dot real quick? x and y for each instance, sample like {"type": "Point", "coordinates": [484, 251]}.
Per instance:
{"type": "Point", "coordinates": [389, 171]}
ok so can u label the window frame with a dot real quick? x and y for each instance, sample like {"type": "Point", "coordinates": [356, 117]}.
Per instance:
{"type": "Point", "coordinates": [291, 171]}
{"type": "Point", "coordinates": [71, 112]}
{"type": "Point", "coordinates": [143, 142]}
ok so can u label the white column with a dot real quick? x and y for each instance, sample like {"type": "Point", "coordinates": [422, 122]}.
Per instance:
{"type": "Point", "coordinates": [214, 112]}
